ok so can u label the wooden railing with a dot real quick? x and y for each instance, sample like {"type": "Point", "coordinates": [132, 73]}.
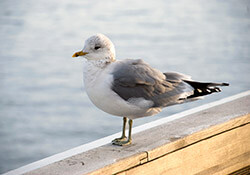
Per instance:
{"type": "Point", "coordinates": [211, 139]}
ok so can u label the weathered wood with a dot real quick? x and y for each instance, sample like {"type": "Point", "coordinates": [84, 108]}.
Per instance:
{"type": "Point", "coordinates": [226, 146]}
{"type": "Point", "coordinates": [198, 136]}
{"type": "Point", "coordinates": [213, 140]}
{"type": "Point", "coordinates": [243, 171]}
{"type": "Point", "coordinates": [220, 154]}
{"type": "Point", "coordinates": [122, 164]}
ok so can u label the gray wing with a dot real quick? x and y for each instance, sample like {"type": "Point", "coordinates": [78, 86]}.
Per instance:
{"type": "Point", "coordinates": [136, 79]}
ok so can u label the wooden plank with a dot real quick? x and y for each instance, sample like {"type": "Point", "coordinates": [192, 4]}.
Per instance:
{"type": "Point", "coordinates": [243, 171]}
{"type": "Point", "coordinates": [155, 143]}
{"type": "Point", "coordinates": [122, 164]}
{"type": "Point", "coordinates": [220, 154]}
{"type": "Point", "coordinates": [195, 137]}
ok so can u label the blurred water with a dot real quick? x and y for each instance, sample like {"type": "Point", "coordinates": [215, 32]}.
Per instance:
{"type": "Point", "coordinates": [43, 107]}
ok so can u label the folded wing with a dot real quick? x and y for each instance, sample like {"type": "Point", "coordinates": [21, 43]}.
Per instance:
{"type": "Point", "coordinates": [136, 79]}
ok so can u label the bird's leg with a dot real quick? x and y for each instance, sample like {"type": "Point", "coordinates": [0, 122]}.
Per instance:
{"type": "Point", "coordinates": [129, 140]}
{"type": "Point", "coordinates": [123, 137]}
{"type": "Point", "coordinates": [130, 122]}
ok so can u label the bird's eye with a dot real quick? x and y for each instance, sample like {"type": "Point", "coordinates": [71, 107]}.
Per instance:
{"type": "Point", "coordinates": [97, 47]}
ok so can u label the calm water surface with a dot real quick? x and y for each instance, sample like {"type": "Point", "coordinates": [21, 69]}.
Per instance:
{"type": "Point", "coordinates": [43, 106]}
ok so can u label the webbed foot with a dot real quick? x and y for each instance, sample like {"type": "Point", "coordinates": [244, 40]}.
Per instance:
{"type": "Point", "coordinates": [122, 142]}
{"type": "Point", "coordinates": [120, 139]}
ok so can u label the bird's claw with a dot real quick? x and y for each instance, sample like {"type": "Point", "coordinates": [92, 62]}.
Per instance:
{"type": "Point", "coordinates": [121, 141]}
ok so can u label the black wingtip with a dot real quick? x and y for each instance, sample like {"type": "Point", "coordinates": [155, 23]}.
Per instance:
{"type": "Point", "coordinates": [225, 84]}
{"type": "Point", "coordinates": [201, 89]}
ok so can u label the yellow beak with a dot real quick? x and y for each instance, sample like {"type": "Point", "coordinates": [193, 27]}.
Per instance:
{"type": "Point", "coordinates": [80, 53]}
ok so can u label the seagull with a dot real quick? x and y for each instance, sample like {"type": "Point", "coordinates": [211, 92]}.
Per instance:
{"type": "Point", "coordinates": [131, 88]}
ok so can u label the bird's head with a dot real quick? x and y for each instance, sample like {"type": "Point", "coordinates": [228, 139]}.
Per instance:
{"type": "Point", "coordinates": [97, 47]}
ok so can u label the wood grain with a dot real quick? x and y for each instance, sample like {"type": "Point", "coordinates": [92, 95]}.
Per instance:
{"type": "Point", "coordinates": [220, 154]}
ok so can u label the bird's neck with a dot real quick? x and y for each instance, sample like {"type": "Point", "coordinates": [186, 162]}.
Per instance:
{"type": "Point", "coordinates": [93, 69]}
{"type": "Point", "coordinates": [101, 63]}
